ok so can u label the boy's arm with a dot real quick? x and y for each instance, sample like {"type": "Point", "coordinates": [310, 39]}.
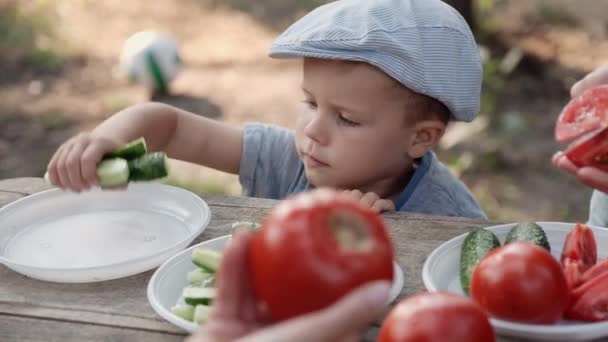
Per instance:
{"type": "Point", "coordinates": [182, 135]}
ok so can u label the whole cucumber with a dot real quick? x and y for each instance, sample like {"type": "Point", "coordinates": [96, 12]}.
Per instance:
{"type": "Point", "coordinates": [475, 246]}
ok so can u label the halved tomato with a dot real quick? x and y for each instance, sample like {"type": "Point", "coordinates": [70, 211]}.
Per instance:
{"type": "Point", "coordinates": [583, 114]}
{"type": "Point", "coordinates": [590, 150]}
{"type": "Point", "coordinates": [590, 300]}
{"type": "Point", "coordinates": [578, 254]}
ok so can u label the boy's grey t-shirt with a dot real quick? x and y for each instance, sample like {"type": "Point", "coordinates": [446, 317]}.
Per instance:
{"type": "Point", "coordinates": [270, 168]}
{"type": "Point", "coordinates": [598, 212]}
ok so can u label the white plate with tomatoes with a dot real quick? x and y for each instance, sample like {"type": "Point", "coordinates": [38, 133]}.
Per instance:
{"type": "Point", "coordinates": [167, 283]}
{"type": "Point", "coordinates": [441, 272]}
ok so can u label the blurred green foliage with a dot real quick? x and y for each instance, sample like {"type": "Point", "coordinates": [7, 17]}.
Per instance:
{"type": "Point", "coordinates": [26, 30]}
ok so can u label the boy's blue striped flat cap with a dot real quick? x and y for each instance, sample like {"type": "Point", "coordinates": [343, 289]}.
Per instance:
{"type": "Point", "coordinates": [424, 44]}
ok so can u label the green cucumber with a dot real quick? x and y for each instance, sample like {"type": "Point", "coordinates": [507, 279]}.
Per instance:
{"type": "Point", "coordinates": [113, 172]}
{"type": "Point", "coordinates": [130, 151]}
{"type": "Point", "coordinates": [207, 259]}
{"type": "Point", "coordinates": [184, 311]}
{"type": "Point", "coordinates": [475, 246]}
{"type": "Point", "coordinates": [199, 295]}
{"type": "Point", "coordinates": [199, 277]}
{"type": "Point", "coordinates": [148, 167]}
{"type": "Point", "coordinates": [201, 314]}
{"type": "Point", "coordinates": [528, 231]}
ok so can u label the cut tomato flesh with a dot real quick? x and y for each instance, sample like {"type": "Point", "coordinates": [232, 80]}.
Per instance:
{"type": "Point", "coordinates": [583, 114]}
{"type": "Point", "coordinates": [590, 300]}
{"type": "Point", "coordinates": [590, 150]}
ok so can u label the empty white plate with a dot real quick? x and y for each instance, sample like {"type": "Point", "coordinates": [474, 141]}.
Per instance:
{"type": "Point", "coordinates": [441, 273]}
{"type": "Point", "coordinates": [168, 282]}
{"type": "Point", "coordinates": [60, 236]}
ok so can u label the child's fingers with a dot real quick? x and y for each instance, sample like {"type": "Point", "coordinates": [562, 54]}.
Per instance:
{"type": "Point", "coordinates": [52, 167]}
{"type": "Point", "coordinates": [91, 156]}
{"type": "Point", "coordinates": [72, 161]}
{"type": "Point", "coordinates": [354, 194]}
{"type": "Point", "coordinates": [383, 205]}
{"type": "Point", "coordinates": [369, 199]}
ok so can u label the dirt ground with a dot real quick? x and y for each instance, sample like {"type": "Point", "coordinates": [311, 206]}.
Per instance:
{"type": "Point", "coordinates": [504, 156]}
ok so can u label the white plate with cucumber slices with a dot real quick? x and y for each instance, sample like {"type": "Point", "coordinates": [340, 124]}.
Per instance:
{"type": "Point", "coordinates": [441, 272]}
{"type": "Point", "coordinates": [97, 235]}
{"type": "Point", "coordinates": [167, 294]}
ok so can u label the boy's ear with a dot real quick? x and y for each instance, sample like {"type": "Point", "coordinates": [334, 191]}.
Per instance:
{"type": "Point", "coordinates": [426, 135]}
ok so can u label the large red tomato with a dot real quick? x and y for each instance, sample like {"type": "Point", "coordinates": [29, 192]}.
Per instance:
{"type": "Point", "coordinates": [314, 248]}
{"type": "Point", "coordinates": [521, 282]}
{"type": "Point", "coordinates": [437, 317]}
{"type": "Point", "coordinates": [583, 114]}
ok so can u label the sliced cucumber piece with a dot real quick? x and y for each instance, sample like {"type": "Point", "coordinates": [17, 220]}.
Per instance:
{"type": "Point", "coordinates": [207, 259]}
{"type": "Point", "coordinates": [199, 277]}
{"type": "Point", "coordinates": [252, 226]}
{"type": "Point", "coordinates": [198, 295]}
{"type": "Point", "coordinates": [130, 151]}
{"type": "Point", "coordinates": [148, 167]}
{"type": "Point", "coordinates": [184, 311]}
{"type": "Point", "coordinates": [201, 313]}
{"type": "Point", "coordinates": [113, 172]}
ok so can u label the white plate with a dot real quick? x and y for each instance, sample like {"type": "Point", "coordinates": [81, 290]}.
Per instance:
{"type": "Point", "coordinates": [60, 236]}
{"type": "Point", "coordinates": [441, 273]}
{"type": "Point", "coordinates": [167, 283]}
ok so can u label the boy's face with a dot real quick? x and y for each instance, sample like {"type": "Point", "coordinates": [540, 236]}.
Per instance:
{"type": "Point", "coordinates": [352, 132]}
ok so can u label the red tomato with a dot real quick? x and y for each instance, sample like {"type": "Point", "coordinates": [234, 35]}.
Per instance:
{"type": "Point", "coordinates": [590, 150]}
{"type": "Point", "coordinates": [595, 270]}
{"type": "Point", "coordinates": [583, 114]}
{"type": "Point", "coordinates": [520, 282]}
{"type": "Point", "coordinates": [313, 249]}
{"type": "Point", "coordinates": [436, 317]}
{"type": "Point", "coordinates": [578, 254]}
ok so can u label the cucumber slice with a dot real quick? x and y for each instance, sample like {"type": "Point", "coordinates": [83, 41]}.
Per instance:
{"type": "Point", "coordinates": [475, 246]}
{"type": "Point", "coordinates": [207, 259]}
{"type": "Point", "coordinates": [201, 313]}
{"type": "Point", "coordinates": [113, 172]}
{"type": "Point", "coordinates": [148, 167]}
{"type": "Point", "coordinates": [184, 311]}
{"type": "Point", "coordinates": [199, 277]}
{"type": "Point", "coordinates": [252, 226]}
{"type": "Point", "coordinates": [198, 295]}
{"type": "Point", "coordinates": [130, 151]}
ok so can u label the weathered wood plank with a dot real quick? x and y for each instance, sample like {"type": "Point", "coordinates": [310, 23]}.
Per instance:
{"type": "Point", "coordinates": [25, 329]}
{"type": "Point", "coordinates": [25, 186]}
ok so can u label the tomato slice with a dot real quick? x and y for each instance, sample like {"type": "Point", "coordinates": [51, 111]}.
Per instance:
{"type": "Point", "coordinates": [583, 114]}
{"type": "Point", "coordinates": [590, 150]}
{"type": "Point", "coordinates": [595, 271]}
{"type": "Point", "coordinates": [579, 253]}
{"type": "Point", "coordinates": [590, 300]}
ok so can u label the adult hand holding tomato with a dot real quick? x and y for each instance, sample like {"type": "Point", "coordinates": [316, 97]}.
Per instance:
{"type": "Point", "coordinates": [313, 249]}
{"type": "Point", "coordinates": [521, 282]}
{"type": "Point", "coordinates": [437, 317]}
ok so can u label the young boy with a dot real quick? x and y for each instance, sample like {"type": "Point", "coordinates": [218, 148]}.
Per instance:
{"type": "Point", "coordinates": [381, 79]}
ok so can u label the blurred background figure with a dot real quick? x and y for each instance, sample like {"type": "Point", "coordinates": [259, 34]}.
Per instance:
{"type": "Point", "coordinates": [65, 66]}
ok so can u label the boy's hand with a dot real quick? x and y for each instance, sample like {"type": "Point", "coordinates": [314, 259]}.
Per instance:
{"type": "Point", "coordinates": [74, 164]}
{"type": "Point", "coordinates": [590, 176]}
{"type": "Point", "coordinates": [372, 201]}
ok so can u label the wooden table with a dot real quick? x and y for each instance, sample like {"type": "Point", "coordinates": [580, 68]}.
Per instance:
{"type": "Point", "coordinates": [118, 310]}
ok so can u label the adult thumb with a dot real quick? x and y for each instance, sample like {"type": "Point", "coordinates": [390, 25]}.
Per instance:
{"type": "Point", "coordinates": [344, 318]}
